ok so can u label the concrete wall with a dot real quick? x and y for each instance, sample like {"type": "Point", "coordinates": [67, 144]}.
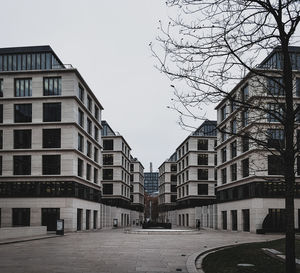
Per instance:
{"type": "Point", "coordinates": [17, 232]}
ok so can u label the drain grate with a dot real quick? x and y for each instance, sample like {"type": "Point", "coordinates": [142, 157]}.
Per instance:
{"type": "Point", "coordinates": [178, 269]}
{"type": "Point", "coordinates": [183, 255]}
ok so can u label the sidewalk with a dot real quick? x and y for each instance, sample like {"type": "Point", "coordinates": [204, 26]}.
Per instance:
{"type": "Point", "coordinates": [25, 239]}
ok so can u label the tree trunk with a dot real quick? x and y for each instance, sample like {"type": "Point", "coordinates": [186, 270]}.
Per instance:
{"type": "Point", "coordinates": [289, 162]}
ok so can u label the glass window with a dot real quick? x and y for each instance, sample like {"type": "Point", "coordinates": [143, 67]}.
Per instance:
{"type": "Point", "coordinates": [108, 189]}
{"type": "Point", "coordinates": [1, 113]}
{"type": "Point", "coordinates": [22, 139]}
{"type": "Point", "coordinates": [202, 159]}
{"type": "Point", "coordinates": [52, 111]}
{"type": "Point", "coordinates": [89, 126]}
{"type": "Point", "coordinates": [89, 103]}
{"type": "Point", "coordinates": [233, 126]}
{"type": "Point", "coordinates": [245, 93]}
{"type": "Point", "coordinates": [96, 154]}
{"type": "Point", "coordinates": [1, 139]}
{"type": "Point", "coordinates": [23, 112]}
{"type": "Point", "coordinates": [275, 166]}
{"type": "Point", "coordinates": [81, 93]}
{"type": "Point", "coordinates": [80, 118]}
{"type": "Point", "coordinates": [224, 155]}
{"type": "Point", "coordinates": [22, 164]}
{"type": "Point", "coordinates": [80, 167]}
{"type": "Point", "coordinates": [51, 164]}
{"type": "Point", "coordinates": [108, 144]}
{"type": "Point", "coordinates": [202, 144]}
{"type": "Point", "coordinates": [108, 159]}
{"type": "Point", "coordinates": [95, 176]}
{"type": "Point", "coordinates": [88, 148]}
{"type": "Point", "coordinates": [20, 217]}
{"type": "Point", "coordinates": [245, 120]}
{"type": "Point", "coordinates": [233, 169]}
{"type": "Point", "coordinates": [0, 170]}
{"type": "Point", "coordinates": [1, 87]}
{"type": "Point", "coordinates": [108, 174]}
{"type": "Point", "coordinates": [275, 86]}
{"type": "Point", "coordinates": [275, 138]}
{"type": "Point", "coordinates": [202, 189]}
{"type": "Point", "coordinates": [51, 138]}
{"type": "Point", "coordinates": [23, 87]}
{"type": "Point", "coordinates": [96, 133]}
{"type": "Point", "coordinates": [276, 112]}
{"type": "Point", "coordinates": [96, 112]}
{"type": "Point", "coordinates": [80, 142]}
{"type": "Point", "coordinates": [202, 174]}
{"type": "Point", "coordinates": [298, 86]}
{"type": "Point", "coordinates": [52, 86]}
{"type": "Point", "coordinates": [223, 112]}
{"type": "Point", "coordinates": [245, 143]}
{"type": "Point", "coordinates": [224, 175]}
{"type": "Point", "coordinates": [233, 148]}
{"type": "Point", "coordinates": [245, 167]}
{"type": "Point", "coordinates": [88, 171]}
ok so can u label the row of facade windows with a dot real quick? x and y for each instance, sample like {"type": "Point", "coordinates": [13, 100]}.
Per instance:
{"type": "Point", "coordinates": [88, 171]}
{"type": "Point", "coordinates": [89, 125]}
{"type": "Point", "coordinates": [202, 189]}
{"type": "Point", "coordinates": [88, 148]}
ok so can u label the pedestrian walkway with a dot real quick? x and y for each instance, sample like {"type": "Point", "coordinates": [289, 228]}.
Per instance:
{"type": "Point", "coordinates": [114, 251]}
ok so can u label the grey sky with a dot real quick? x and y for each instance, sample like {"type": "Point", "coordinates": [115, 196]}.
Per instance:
{"type": "Point", "coordinates": [107, 41]}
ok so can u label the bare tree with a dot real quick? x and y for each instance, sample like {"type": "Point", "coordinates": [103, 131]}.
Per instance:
{"type": "Point", "coordinates": [212, 45]}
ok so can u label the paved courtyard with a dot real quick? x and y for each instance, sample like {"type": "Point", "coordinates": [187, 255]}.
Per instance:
{"type": "Point", "coordinates": [113, 251]}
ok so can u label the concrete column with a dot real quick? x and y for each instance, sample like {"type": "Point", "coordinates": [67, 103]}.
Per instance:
{"type": "Point", "coordinates": [6, 217]}
{"type": "Point", "coordinates": [35, 217]}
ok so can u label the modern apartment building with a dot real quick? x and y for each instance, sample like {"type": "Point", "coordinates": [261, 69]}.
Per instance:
{"type": "Point", "coordinates": [137, 191]}
{"type": "Point", "coordinates": [151, 182]}
{"type": "Point", "coordinates": [50, 142]}
{"type": "Point", "coordinates": [196, 178]}
{"type": "Point", "coordinates": [116, 161]}
{"type": "Point", "coordinates": [168, 190]}
{"type": "Point", "coordinates": [250, 187]}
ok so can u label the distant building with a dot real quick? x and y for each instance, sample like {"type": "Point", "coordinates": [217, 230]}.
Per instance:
{"type": "Point", "coordinates": [151, 181]}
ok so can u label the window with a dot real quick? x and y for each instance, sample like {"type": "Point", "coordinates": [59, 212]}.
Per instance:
{"type": "Point", "coordinates": [108, 174]}
{"type": "Point", "coordinates": [224, 175]}
{"type": "Point", "coordinates": [22, 139]}
{"type": "Point", "coordinates": [51, 164]}
{"type": "Point", "coordinates": [223, 133]}
{"type": "Point", "coordinates": [96, 133]}
{"type": "Point", "coordinates": [245, 93]}
{"type": "Point", "coordinates": [1, 113]}
{"type": "Point", "coordinates": [88, 171]}
{"type": "Point", "coordinates": [23, 112]}
{"type": "Point", "coordinates": [80, 142]}
{"type": "Point", "coordinates": [52, 111]}
{"type": "Point", "coordinates": [51, 138]}
{"type": "Point", "coordinates": [202, 174]}
{"type": "Point", "coordinates": [89, 103]}
{"type": "Point", "coordinates": [216, 160]}
{"type": "Point", "coordinates": [80, 118]}
{"type": "Point", "coordinates": [245, 143]}
{"type": "Point", "coordinates": [173, 178]}
{"type": "Point", "coordinates": [88, 148]}
{"type": "Point", "coordinates": [275, 138]}
{"type": "Point", "coordinates": [173, 168]}
{"type": "Point", "coordinates": [96, 154]}
{"type": "Point", "coordinates": [23, 87]}
{"type": "Point", "coordinates": [89, 126]}
{"type": "Point", "coordinates": [233, 170]}
{"type": "Point", "coordinates": [1, 87]}
{"type": "Point", "coordinates": [224, 155]}
{"type": "Point", "coordinates": [80, 167]}
{"type": "Point", "coordinates": [245, 167]}
{"type": "Point", "coordinates": [108, 189]}
{"type": "Point", "coordinates": [20, 217]}
{"type": "Point", "coordinates": [233, 104]}
{"type": "Point", "coordinates": [233, 149]}
{"type": "Point", "coordinates": [233, 126]}
{"type": "Point", "coordinates": [96, 112]}
{"type": "Point", "coordinates": [80, 92]}
{"type": "Point", "coordinates": [202, 144]}
{"type": "Point", "coordinates": [52, 86]}
{"type": "Point", "coordinates": [108, 159]}
{"type": "Point", "coordinates": [202, 159]}
{"type": "Point", "coordinates": [1, 139]}
{"type": "Point", "coordinates": [223, 112]}
{"type": "Point", "coordinates": [297, 87]}
{"type": "Point", "coordinates": [275, 86]}
{"type": "Point", "coordinates": [245, 118]}
{"type": "Point", "coordinates": [202, 189]}
{"type": "Point", "coordinates": [0, 168]}
{"type": "Point", "coordinates": [22, 164]}
{"type": "Point", "coordinates": [276, 112]}
{"type": "Point", "coordinates": [108, 144]}
{"type": "Point", "coordinates": [95, 176]}
{"type": "Point", "coordinates": [275, 166]}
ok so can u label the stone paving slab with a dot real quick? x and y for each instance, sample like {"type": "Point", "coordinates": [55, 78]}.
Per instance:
{"type": "Point", "coordinates": [113, 251]}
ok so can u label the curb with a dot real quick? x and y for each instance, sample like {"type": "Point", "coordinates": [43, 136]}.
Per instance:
{"type": "Point", "coordinates": [192, 259]}
{"type": "Point", "coordinates": [28, 239]}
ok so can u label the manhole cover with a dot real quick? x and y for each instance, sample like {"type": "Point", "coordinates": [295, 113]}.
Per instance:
{"type": "Point", "coordinates": [245, 265]}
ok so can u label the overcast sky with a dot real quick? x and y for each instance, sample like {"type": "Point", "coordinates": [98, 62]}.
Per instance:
{"type": "Point", "coordinates": [107, 41]}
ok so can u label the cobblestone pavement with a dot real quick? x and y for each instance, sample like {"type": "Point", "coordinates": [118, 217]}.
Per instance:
{"type": "Point", "coordinates": [114, 251]}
